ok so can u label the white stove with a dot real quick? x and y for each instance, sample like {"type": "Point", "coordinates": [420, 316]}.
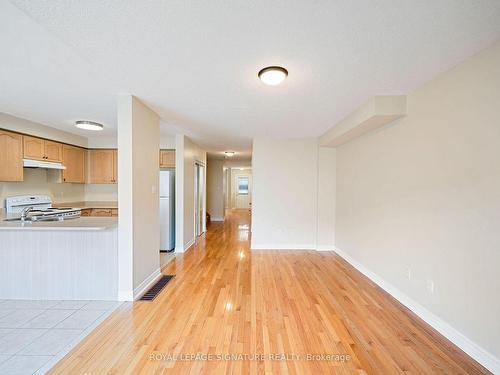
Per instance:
{"type": "Point", "coordinates": [37, 208]}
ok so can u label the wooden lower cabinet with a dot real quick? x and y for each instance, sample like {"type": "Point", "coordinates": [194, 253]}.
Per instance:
{"type": "Point", "coordinates": [101, 212]}
{"type": "Point", "coordinates": [86, 212]}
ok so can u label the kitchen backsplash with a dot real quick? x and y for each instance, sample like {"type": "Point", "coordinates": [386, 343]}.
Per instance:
{"type": "Point", "coordinates": [35, 182]}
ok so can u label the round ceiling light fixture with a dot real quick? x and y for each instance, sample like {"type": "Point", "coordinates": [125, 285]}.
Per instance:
{"type": "Point", "coordinates": [229, 153]}
{"type": "Point", "coordinates": [273, 75]}
{"type": "Point", "coordinates": [89, 125]}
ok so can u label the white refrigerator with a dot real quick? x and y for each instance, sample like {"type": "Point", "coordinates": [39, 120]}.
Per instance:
{"type": "Point", "coordinates": [167, 210]}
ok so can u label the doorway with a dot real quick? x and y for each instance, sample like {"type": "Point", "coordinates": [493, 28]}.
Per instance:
{"type": "Point", "coordinates": [242, 188]}
{"type": "Point", "coordinates": [199, 201]}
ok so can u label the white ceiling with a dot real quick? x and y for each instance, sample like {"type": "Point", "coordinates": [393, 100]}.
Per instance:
{"type": "Point", "coordinates": [196, 62]}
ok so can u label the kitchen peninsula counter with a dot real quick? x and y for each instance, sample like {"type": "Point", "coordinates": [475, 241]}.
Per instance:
{"type": "Point", "coordinates": [78, 224]}
{"type": "Point", "coordinates": [88, 204]}
{"type": "Point", "coordinates": [73, 259]}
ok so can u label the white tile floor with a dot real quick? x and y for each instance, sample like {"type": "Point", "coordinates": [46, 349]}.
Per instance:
{"type": "Point", "coordinates": [35, 335]}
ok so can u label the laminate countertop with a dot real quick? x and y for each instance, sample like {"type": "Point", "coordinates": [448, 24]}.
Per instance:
{"type": "Point", "coordinates": [88, 204]}
{"type": "Point", "coordinates": [80, 224]}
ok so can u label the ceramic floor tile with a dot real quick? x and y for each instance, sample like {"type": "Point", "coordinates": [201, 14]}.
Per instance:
{"type": "Point", "coordinates": [5, 312]}
{"type": "Point", "coordinates": [27, 304]}
{"type": "Point", "coordinates": [17, 318]}
{"type": "Point", "coordinates": [70, 305]}
{"type": "Point", "coordinates": [5, 331]}
{"type": "Point", "coordinates": [48, 319]}
{"type": "Point", "coordinates": [81, 319]}
{"type": "Point", "coordinates": [4, 357]}
{"type": "Point", "coordinates": [23, 364]}
{"type": "Point", "coordinates": [101, 305]}
{"type": "Point", "coordinates": [52, 342]}
{"type": "Point", "coordinates": [18, 339]}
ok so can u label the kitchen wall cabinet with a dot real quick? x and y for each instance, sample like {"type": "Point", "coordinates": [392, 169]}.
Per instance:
{"type": "Point", "coordinates": [42, 149]}
{"type": "Point", "coordinates": [167, 158]}
{"type": "Point", "coordinates": [53, 151]}
{"type": "Point", "coordinates": [73, 159]}
{"type": "Point", "coordinates": [11, 156]}
{"type": "Point", "coordinates": [103, 166]}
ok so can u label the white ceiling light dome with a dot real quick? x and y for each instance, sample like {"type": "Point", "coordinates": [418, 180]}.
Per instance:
{"type": "Point", "coordinates": [89, 125]}
{"type": "Point", "coordinates": [273, 75]}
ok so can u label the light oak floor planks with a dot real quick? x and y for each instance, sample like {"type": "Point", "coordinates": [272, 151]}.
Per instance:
{"type": "Point", "coordinates": [228, 299]}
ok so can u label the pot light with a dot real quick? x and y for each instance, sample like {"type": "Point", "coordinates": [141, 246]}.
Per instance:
{"type": "Point", "coordinates": [273, 75]}
{"type": "Point", "coordinates": [229, 153]}
{"type": "Point", "coordinates": [89, 125]}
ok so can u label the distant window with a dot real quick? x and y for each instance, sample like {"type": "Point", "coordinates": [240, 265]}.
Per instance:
{"type": "Point", "coordinates": [242, 185]}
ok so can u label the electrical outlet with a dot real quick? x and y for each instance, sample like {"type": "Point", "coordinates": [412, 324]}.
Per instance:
{"type": "Point", "coordinates": [430, 286]}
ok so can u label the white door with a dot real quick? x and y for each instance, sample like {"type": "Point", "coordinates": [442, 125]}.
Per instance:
{"type": "Point", "coordinates": [243, 190]}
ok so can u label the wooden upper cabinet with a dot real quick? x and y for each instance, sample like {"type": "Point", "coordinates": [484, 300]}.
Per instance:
{"type": "Point", "coordinates": [11, 156]}
{"type": "Point", "coordinates": [167, 158]}
{"type": "Point", "coordinates": [74, 161]}
{"type": "Point", "coordinates": [53, 151]}
{"type": "Point", "coordinates": [41, 149]}
{"type": "Point", "coordinates": [103, 166]}
{"type": "Point", "coordinates": [115, 166]}
{"type": "Point", "coordinates": [34, 148]}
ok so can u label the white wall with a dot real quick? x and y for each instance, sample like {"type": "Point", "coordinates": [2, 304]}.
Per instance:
{"type": "Point", "coordinates": [284, 208]}
{"type": "Point", "coordinates": [215, 189]}
{"type": "Point", "coordinates": [36, 182]}
{"type": "Point", "coordinates": [326, 198]}
{"type": "Point", "coordinates": [102, 142]}
{"type": "Point", "coordinates": [167, 142]}
{"type": "Point", "coordinates": [187, 153]}
{"type": "Point", "coordinates": [39, 130]}
{"type": "Point", "coordinates": [101, 192]}
{"type": "Point", "coordinates": [424, 194]}
{"type": "Point", "coordinates": [138, 199]}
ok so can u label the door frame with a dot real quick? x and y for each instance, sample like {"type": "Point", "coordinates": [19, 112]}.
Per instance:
{"type": "Point", "coordinates": [234, 178]}
{"type": "Point", "coordinates": [197, 164]}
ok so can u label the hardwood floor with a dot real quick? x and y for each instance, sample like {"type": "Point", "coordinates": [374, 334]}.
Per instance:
{"type": "Point", "coordinates": [228, 299]}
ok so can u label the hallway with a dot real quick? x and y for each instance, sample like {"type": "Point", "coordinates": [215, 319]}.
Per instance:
{"type": "Point", "coordinates": [226, 299]}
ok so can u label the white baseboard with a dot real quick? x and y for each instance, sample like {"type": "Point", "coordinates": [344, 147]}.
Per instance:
{"type": "Point", "coordinates": [217, 218]}
{"type": "Point", "coordinates": [475, 351]}
{"type": "Point", "coordinates": [282, 247]}
{"type": "Point", "coordinates": [189, 244]}
{"type": "Point", "coordinates": [325, 247]}
{"type": "Point", "coordinates": [146, 284]}
{"type": "Point", "coordinates": [125, 295]}
{"type": "Point", "coordinates": [181, 248]}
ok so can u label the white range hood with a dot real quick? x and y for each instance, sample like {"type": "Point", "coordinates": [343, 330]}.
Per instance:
{"type": "Point", "coordinates": [29, 163]}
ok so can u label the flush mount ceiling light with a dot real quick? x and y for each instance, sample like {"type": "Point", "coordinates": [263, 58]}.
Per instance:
{"type": "Point", "coordinates": [229, 153]}
{"type": "Point", "coordinates": [273, 75]}
{"type": "Point", "coordinates": [89, 125]}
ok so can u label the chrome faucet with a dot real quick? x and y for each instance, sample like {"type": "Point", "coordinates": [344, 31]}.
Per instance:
{"type": "Point", "coordinates": [25, 211]}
